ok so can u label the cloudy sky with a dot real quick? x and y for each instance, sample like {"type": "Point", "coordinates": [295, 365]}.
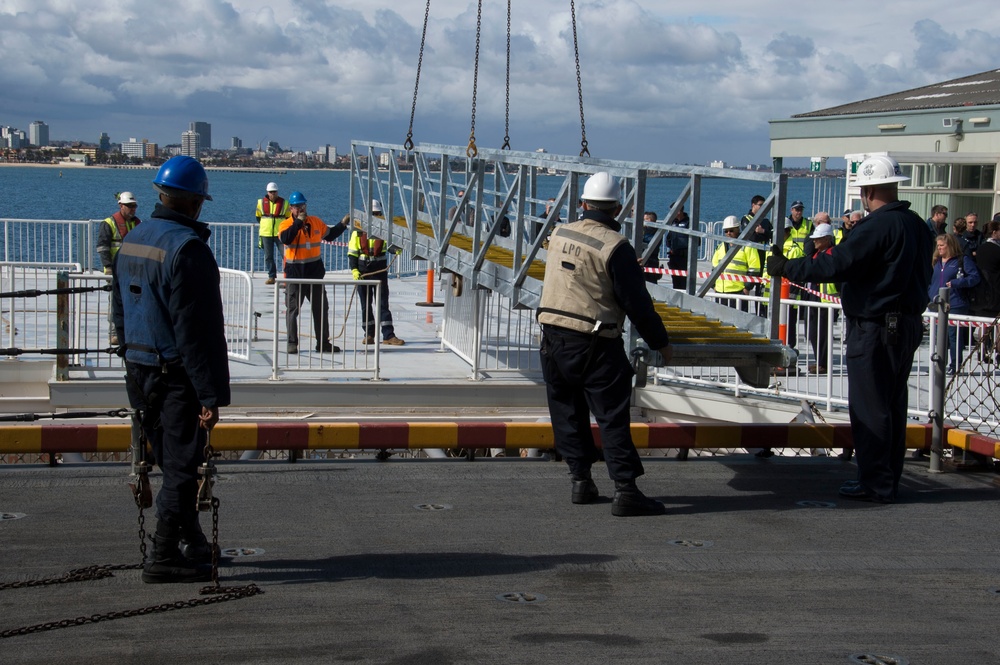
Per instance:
{"type": "Point", "coordinates": [670, 81]}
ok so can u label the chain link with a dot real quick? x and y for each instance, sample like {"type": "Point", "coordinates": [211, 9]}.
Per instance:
{"type": "Point", "coordinates": [472, 150]}
{"type": "Point", "coordinates": [209, 594]}
{"type": "Point", "coordinates": [506, 115]}
{"type": "Point", "coordinates": [584, 150]}
{"type": "Point", "coordinates": [408, 143]}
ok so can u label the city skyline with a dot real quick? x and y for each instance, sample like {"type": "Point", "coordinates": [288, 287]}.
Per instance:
{"type": "Point", "coordinates": [679, 82]}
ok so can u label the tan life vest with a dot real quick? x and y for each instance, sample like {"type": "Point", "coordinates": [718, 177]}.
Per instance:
{"type": "Point", "coordinates": [577, 293]}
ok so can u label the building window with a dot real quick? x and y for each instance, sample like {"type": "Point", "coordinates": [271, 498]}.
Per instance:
{"type": "Point", "coordinates": [976, 176]}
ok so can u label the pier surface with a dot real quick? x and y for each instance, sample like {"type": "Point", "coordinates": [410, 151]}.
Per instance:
{"type": "Point", "coordinates": [757, 561]}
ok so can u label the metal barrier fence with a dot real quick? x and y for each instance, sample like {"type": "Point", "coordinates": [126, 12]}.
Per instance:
{"type": "Point", "coordinates": [971, 401]}
{"type": "Point", "coordinates": [27, 319]}
{"type": "Point", "coordinates": [485, 329]}
{"type": "Point", "coordinates": [345, 326]}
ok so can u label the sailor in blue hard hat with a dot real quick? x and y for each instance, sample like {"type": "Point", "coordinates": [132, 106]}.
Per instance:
{"type": "Point", "coordinates": [168, 311]}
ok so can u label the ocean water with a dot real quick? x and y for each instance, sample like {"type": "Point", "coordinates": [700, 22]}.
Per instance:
{"type": "Point", "coordinates": [89, 193]}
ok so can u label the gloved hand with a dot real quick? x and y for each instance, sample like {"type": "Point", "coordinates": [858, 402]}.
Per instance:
{"type": "Point", "coordinates": [395, 249]}
{"type": "Point", "coordinates": [776, 262]}
{"type": "Point", "coordinates": [107, 271]}
{"type": "Point", "coordinates": [355, 273]}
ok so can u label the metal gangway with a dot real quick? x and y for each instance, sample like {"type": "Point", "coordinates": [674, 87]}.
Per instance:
{"type": "Point", "coordinates": [484, 220]}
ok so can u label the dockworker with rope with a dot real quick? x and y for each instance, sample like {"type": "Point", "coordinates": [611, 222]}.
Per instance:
{"type": "Point", "coordinates": [168, 310]}
{"type": "Point", "coordinates": [367, 258]}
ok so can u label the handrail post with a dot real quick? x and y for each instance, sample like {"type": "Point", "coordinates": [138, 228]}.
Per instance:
{"type": "Point", "coordinates": [62, 325]}
{"type": "Point", "coordinates": [938, 360]}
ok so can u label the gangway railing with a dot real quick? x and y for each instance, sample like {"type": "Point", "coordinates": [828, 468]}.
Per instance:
{"type": "Point", "coordinates": [345, 327]}
{"type": "Point", "coordinates": [485, 219]}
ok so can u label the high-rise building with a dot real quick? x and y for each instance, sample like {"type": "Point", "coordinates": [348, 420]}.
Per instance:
{"type": "Point", "coordinates": [327, 153]}
{"type": "Point", "coordinates": [205, 129]}
{"type": "Point", "coordinates": [191, 143]}
{"type": "Point", "coordinates": [236, 144]}
{"type": "Point", "coordinates": [133, 148]}
{"type": "Point", "coordinates": [38, 133]}
{"type": "Point", "coordinates": [104, 142]}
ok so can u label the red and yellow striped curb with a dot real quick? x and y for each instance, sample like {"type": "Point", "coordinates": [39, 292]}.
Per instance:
{"type": "Point", "coordinates": [974, 442]}
{"type": "Point", "coordinates": [466, 434]}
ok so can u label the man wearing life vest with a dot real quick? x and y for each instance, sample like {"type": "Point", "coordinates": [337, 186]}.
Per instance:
{"type": "Point", "coordinates": [802, 227]}
{"type": "Point", "coordinates": [302, 235]}
{"type": "Point", "coordinates": [745, 263]}
{"type": "Point", "coordinates": [109, 241]}
{"type": "Point", "coordinates": [366, 257]}
{"type": "Point", "coordinates": [271, 211]}
{"type": "Point", "coordinates": [592, 282]}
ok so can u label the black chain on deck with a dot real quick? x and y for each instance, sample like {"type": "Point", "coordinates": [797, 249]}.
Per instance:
{"type": "Point", "coordinates": [506, 114]}
{"type": "Point", "coordinates": [408, 143]}
{"type": "Point", "coordinates": [584, 150]}
{"type": "Point", "coordinates": [210, 595]}
{"type": "Point", "coordinates": [472, 150]}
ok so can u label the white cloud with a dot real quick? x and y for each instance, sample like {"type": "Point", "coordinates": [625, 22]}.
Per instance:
{"type": "Point", "coordinates": [311, 71]}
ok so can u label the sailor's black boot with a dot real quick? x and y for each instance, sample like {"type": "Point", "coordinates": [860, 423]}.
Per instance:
{"type": "Point", "coordinates": [194, 546]}
{"type": "Point", "coordinates": [630, 502]}
{"type": "Point", "coordinates": [584, 489]}
{"type": "Point", "coordinates": [165, 563]}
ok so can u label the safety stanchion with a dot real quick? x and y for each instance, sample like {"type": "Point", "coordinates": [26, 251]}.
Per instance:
{"type": "Point", "coordinates": [430, 292]}
{"type": "Point", "coordinates": [786, 293]}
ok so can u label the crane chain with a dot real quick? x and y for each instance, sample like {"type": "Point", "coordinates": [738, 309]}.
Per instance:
{"type": "Point", "coordinates": [408, 143]}
{"type": "Point", "coordinates": [506, 115]}
{"type": "Point", "coordinates": [472, 150]}
{"type": "Point", "coordinates": [584, 150]}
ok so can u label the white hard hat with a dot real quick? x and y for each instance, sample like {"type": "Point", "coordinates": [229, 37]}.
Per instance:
{"type": "Point", "coordinates": [126, 197]}
{"type": "Point", "coordinates": [601, 187]}
{"type": "Point", "coordinates": [731, 222]}
{"type": "Point", "coordinates": [879, 170]}
{"type": "Point", "coordinates": [376, 206]}
{"type": "Point", "coordinates": [822, 231]}
{"type": "Point", "coordinates": [272, 186]}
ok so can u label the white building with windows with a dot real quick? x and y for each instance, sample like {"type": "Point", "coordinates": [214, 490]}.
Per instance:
{"type": "Point", "coordinates": [946, 137]}
{"type": "Point", "coordinates": [191, 144]}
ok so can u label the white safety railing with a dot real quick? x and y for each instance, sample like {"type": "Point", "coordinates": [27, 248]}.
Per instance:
{"type": "Point", "coordinates": [26, 314]}
{"type": "Point", "coordinates": [90, 322]}
{"type": "Point", "coordinates": [237, 307]}
{"type": "Point", "coordinates": [345, 326]}
{"type": "Point", "coordinates": [44, 241]}
{"type": "Point", "coordinates": [828, 389]}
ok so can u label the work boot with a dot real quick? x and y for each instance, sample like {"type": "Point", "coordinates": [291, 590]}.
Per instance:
{"type": "Point", "coordinates": [393, 341]}
{"type": "Point", "coordinates": [370, 339]}
{"type": "Point", "coordinates": [584, 489]}
{"type": "Point", "coordinates": [292, 348]}
{"type": "Point", "coordinates": [194, 546]}
{"type": "Point", "coordinates": [269, 280]}
{"type": "Point", "coordinates": [166, 564]}
{"type": "Point", "coordinates": [630, 502]}
{"type": "Point", "coordinates": [327, 347]}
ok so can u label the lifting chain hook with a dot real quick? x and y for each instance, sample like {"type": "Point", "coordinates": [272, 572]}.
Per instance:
{"type": "Point", "coordinates": [408, 144]}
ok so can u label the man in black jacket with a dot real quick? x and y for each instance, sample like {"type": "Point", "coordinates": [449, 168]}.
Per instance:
{"type": "Point", "coordinates": [168, 310]}
{"type": "Point", "coordinates": [885, 271]}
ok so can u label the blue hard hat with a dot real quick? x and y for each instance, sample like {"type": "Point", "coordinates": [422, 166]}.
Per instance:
{"type": "Point", "coordinates": [296, 198]}
{"type": "Point", "coordinates": [183, 173]}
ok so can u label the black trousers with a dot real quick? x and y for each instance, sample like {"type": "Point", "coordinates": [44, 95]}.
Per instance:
{"type": "Point", "coordinates": [177, 440]}
{"type": "Point", "coordinates": [316, 293]}
{"type": "Point", "coordinates": [367, 296]}
{"type": "Point", "coordinates": [877, 376]}
{"type": "Point", "coordinates": [584, 376]}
